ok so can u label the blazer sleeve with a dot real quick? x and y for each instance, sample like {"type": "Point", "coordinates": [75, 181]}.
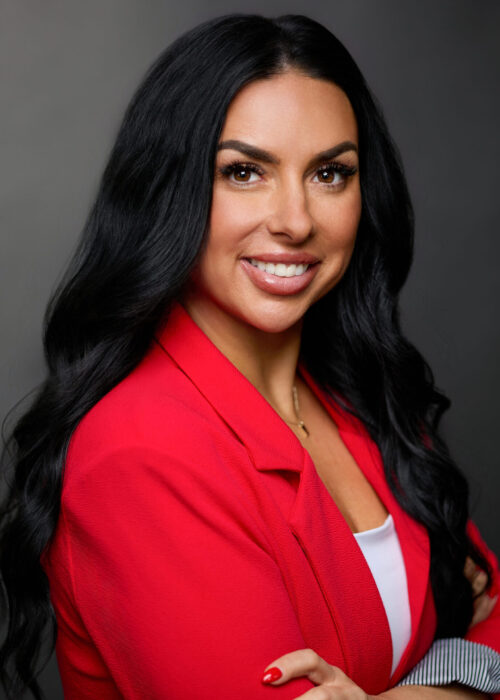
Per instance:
{"type": "Point", "coordinates": [174, 579]}
{"type": "Point", "coordinates": [473, 661]}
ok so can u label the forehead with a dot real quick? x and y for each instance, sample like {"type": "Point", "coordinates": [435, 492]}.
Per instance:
{"type": "Point", "coordinates": [313, 113]}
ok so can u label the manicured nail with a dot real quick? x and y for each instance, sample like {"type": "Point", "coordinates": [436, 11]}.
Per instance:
{"type": "Point", "coordinates": [272, 674]}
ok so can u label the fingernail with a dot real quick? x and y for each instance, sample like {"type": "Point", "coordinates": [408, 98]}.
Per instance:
{"type": "Point", "coordinates": [272, 674]}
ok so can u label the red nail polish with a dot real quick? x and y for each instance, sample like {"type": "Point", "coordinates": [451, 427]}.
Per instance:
{"type": "Point", "coordinates": [272, 674]}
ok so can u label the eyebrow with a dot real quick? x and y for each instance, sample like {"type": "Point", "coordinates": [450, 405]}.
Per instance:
{"type": "Point", "coordinates": [267, 157]}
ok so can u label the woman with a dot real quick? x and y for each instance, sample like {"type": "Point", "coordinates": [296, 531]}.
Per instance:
{"type": "Point", "coordinates": [232, 417]}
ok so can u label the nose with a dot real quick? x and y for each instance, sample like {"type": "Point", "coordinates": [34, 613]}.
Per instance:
{"type": "Point", "coordinates": [289, 211]}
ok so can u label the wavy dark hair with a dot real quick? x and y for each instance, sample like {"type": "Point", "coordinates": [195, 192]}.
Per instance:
{"type": "Point", "coordinates": [143, 236]}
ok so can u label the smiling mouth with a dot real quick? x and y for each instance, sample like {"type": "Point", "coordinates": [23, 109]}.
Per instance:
{"type": "Point", "coordinates": [284, 279]}
{"type": "Point", "coordinates": [280, 269]}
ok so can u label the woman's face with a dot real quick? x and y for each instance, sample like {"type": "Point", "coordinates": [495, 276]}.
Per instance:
{"type": "Point", "coordinates": [278, 197]}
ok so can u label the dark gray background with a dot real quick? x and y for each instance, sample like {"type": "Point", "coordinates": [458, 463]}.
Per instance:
{"type": "Point", "coordinates": [68, 70]}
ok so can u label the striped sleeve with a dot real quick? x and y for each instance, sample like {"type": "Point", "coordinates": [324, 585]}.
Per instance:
{"type": "Point", "coordinates": [456, 660]}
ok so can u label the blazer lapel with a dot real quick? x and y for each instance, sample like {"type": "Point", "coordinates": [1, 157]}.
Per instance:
{"type": "Point", "coordinates": [348, 587]}
{"type": "Point", "coordinates": [271, 443]}
{"type": "Point", "coordinates": [413, 537]}
{"type": "Point", "coordinates": [339, 566]}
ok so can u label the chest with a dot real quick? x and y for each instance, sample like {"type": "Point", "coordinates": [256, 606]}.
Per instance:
{"type": "Point", "coordinates": [352, 493]}
{"type": "Point", "coordinates": [338, 605]}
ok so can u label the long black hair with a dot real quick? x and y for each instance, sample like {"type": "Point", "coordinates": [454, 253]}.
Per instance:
{"type": "Point", "coordinates": [145, 233]}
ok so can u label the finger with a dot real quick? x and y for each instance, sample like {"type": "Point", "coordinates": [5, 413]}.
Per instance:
{"type": "Point", "coordinates": [482, 608]}
{"type": "Point", "coordinates": [479, 582]}
{"type": "Point", "coordinates": [302, 662]}
{"type": "Point", "coordinates": [481, 612]}
{"type": "Point", "coordinates": [331, 692]}
{"type": "Point", "coordinates": [469, 569]}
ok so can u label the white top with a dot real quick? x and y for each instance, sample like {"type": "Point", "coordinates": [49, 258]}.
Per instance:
{"type": "Point", "coordinates": [382, 552]}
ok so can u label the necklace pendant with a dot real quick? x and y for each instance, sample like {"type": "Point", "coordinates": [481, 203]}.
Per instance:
{"type": "Point", "coordinates": [303, 427]}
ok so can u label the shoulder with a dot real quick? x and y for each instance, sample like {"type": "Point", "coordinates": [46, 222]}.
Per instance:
{"type": "Point", "coordinates": [155, 413]}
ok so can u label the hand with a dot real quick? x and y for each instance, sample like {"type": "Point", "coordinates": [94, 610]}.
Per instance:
{"type": "Point", "coordinates": [483, 604]}
{"type": "Point", "coordinates": [332, 683]}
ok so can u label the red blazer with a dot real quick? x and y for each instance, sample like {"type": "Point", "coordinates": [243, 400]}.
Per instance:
{"type": "Point", "coordinates": [197, 543]}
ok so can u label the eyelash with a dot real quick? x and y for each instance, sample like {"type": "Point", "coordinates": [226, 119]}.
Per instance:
{"type": "Point", "coordinates": [330, 167]}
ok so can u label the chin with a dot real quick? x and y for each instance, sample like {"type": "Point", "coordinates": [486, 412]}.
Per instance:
{"type": "Point", "coordinates": [273, 320]}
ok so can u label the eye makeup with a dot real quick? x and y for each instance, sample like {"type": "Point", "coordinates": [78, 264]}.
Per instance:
{"type": "Point", "coordinates": [331, 168]}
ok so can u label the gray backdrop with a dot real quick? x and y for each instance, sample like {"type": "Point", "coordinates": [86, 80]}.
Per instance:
{"type": "Point", "coordinates": [68, 70]}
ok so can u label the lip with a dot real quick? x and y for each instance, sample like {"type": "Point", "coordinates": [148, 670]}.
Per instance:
{"type": "Point", "coordinates": [288, 258]}
{"type": "Point", "coordinates": [281, 286]}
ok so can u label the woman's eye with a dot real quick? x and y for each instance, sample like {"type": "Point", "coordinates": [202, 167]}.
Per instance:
{"type": "Point", "coordinates": [334, 174]}
{"type": "Point", "coordinates": [241, 172]}
{"type": "Point", "coordinates": [331, 174]}
{"type": "Point", "coordinates": [329, 177]}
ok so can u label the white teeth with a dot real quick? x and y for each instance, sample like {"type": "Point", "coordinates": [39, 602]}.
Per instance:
{"type": "Point", "coordinates": [280, 269]}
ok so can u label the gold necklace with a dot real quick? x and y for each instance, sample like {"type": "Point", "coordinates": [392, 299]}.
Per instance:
{"type": "Point", "coordinates": [300, 423]}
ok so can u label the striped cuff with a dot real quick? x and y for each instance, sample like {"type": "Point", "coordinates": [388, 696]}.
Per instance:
{"type": "Point", "coordinates": [456, 660]}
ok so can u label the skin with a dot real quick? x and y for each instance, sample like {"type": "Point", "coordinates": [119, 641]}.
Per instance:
{"type": "Point", "coordinates": [286, 206]}
{"type": "Point", "coordinates": [332, 683]}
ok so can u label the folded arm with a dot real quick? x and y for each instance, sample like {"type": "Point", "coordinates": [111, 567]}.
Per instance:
{"type": "Point", "coordinates": [470, 664]}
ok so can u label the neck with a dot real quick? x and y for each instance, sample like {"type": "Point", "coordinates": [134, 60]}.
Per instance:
{"type": "Point", "coordinates": [267, 360]}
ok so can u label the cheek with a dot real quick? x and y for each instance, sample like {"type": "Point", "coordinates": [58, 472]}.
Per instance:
{"type": "Point", "coordinates": [232, 213]}
{"type": "Point", "coordinates": [229, 223]}
{"type": "Point", "coordinates": [341, 223]}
